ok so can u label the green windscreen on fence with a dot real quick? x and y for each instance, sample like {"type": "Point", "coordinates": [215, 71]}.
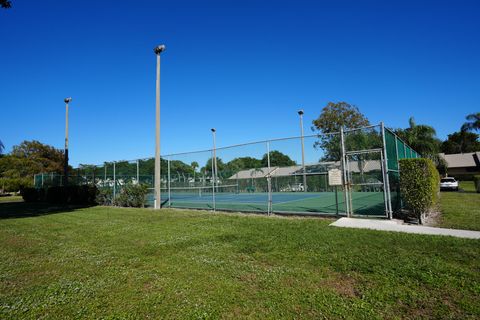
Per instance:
{"type": "Point", "coordinates": [391, 147]}
{"type": "Point", "coordinates": [396, 150]}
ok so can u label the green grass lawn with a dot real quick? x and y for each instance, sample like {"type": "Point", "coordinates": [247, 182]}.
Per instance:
{"type": "Point", "coordinates": [460, 210]}
{"type": "Point", "coordinates": [467, 186]}
{"type": "Point", "coordinates": [11, 199]}
{"type": "Point", "coordinates": [115, 263]}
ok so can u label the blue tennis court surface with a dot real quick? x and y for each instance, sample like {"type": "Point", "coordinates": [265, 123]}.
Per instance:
{"type": "Point", "coordinates": [291, 202]}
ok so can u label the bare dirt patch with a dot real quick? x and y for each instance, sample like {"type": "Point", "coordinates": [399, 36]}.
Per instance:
{"type": "Point", "coordinates": [344, 285]}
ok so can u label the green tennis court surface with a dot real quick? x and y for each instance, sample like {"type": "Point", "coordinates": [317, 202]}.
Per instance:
{"type": "Point", "coordinates": [364, 203]}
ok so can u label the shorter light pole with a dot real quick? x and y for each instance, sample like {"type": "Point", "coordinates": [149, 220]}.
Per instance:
{"type": "Point", "coordinates": [65, 162]}
{"type": "Point", "coordinates": [300, 113]}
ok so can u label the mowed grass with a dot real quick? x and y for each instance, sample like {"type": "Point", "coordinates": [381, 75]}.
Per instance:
{"type": "Point", "coordinates": [11, 199]}
{"type": "Point", "coordinates": [460, 210]}
{"type": "Point", "coordinates": [115, 263]}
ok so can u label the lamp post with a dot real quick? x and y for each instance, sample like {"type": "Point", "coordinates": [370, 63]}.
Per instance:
{"type": "Point", "coordinates": [214, 134]}
{"type": "Point", "coordinates": [300, 113]}
{"type": "Point", "coordinates": [158, 49]}
{"type": "Point", "coordinates": [65, 162]}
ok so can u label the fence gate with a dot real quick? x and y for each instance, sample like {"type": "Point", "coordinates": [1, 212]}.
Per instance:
{"type": "Point", "coordinates": [367, 195]}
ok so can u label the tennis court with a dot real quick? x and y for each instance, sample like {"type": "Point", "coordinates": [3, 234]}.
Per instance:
{"type": "Point", "coordinates": [229, 199]}
{"type": "Point", "coordinates": [289, 175]}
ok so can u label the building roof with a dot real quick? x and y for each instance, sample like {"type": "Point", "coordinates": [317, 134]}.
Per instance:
{"type": "Point", "coordinates": [318, 168]}
{"type": "Point", "coordinates": [462, 160]}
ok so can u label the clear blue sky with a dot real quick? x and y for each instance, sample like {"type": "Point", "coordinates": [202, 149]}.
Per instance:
{"type": "Point", "coordinates": [243, 67]}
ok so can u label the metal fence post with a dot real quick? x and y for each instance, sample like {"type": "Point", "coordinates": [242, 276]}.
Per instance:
{"type": "Point", "coordinates": [269, 183]}
{"type": "Point", "coordinates": [345, 174]}
{"type": "Point", "coordinates": [386, 180]}
{"type": "Point", "coordinates": [213, 179]}
{"type": "Point", "coordinates": [114, 183]}
{"type": "Point", "coordinates": [138, 172]}
{"type": "Point", "coordinates": [168, 183]}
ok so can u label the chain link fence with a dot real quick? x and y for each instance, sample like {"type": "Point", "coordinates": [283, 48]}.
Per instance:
{"type": "Point", "coordinates": [284, 176]}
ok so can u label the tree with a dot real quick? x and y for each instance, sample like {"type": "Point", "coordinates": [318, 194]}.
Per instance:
{"type": "Point", "coordinates": [6, 4]}
{"type": "Point", "coordinates": [461, 142]}
{"type": "Point", "coordinates": [194, 165]}
{"type": "Point", "coordinates": [422, 138]}
{"type": "Point", "coordinates": [27, 159]}
{"type": "Point", "coordinates": [473, 122]}
{"type": "Point", "coordinates": [2, 147]}
{"type": "Point", "coordinates": [243, 163]}
{"type": "Point", "coordinates": [333, 117]}
{"type": "Point", "coordinates": [207, 169]}
{"type": "Point", "coordinates": [47, 157]}
{"type": "Point", "coordinates": [277, 159]}
{"type": "Point", "coordinates": [337, 115]}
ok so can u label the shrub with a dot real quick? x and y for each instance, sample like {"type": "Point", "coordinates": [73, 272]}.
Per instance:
{"type": "Point", "coordinates": [72, 194]}
{"type": "Point", "coordinates": [30, 194]}
{"type": "Point", "coordinates": [56, 195]}
{"type": "Point", "coordinates": [105, 197]}
{"type": "Point", "coordinates": [132, 195]}
{"type": "Point", "coordinates": [476, 182]}
{"type": "Point", "coordinates": [419, 185]}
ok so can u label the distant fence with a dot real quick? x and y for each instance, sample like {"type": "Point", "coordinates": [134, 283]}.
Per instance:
{"type": "Point", "coordinates": [271, 176]}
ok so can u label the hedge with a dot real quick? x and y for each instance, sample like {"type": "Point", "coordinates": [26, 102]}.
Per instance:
{"type": "Point", "coordinates": [476, 182]}
{"type": "Point", "coordinates": [419, 186]}
{"type": "Point", "coordinates": [84, 195]}
{"type": "Point", "coordinates": [132, 195]}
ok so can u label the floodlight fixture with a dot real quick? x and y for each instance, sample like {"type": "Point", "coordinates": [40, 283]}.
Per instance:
{"type": "Point", "coordinates": [159, 49]}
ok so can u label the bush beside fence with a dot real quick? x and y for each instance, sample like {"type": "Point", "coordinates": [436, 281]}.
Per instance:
{"type": "Point", "coordinates": [82, 195]}
{"type": "Point", "coordinates": [419, 186]}
{"type": "Point", "coordinates": [132, 195]}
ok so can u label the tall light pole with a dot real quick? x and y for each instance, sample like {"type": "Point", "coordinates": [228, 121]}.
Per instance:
{"type": "Point", "coordinates": [65, 162]}
{"type": "Point", "coordinates": [300, 113]}
{"type": "Point", "coordinates": [158, 49]}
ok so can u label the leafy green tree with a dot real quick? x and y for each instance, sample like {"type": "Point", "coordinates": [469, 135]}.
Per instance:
{"type": "Point", "coordinates": [473, 122]}
{"type": "Point", "coordinates": [207, 169]}
{"type": "Point", "coordinates": [277, 159]}
{"type": "Point", "coordinates": [339, 114]}
{"type": "Point", "coordinates": [333, 117]}
{"type": "Point", "coordinates": [27, 159]}
{"type": "Point", "coordinates": [6, 4]}
{"type": "Point", "coordinates": [461, 142]}
{"type": "Point", "coordinates": [243, 163]}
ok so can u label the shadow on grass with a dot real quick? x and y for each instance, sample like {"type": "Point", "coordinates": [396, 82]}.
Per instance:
{"type": "Point", "coordinates": [11, 210]}
{"type": "Point", "coordinates": [462, 191]}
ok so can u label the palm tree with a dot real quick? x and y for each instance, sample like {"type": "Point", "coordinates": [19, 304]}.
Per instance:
{"type": "Point", "coordinates": [422, 138]}
{"type": "Point", "coordinates": [194, 166]}
{"type": "Point", "coordinates": [473, 122]}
